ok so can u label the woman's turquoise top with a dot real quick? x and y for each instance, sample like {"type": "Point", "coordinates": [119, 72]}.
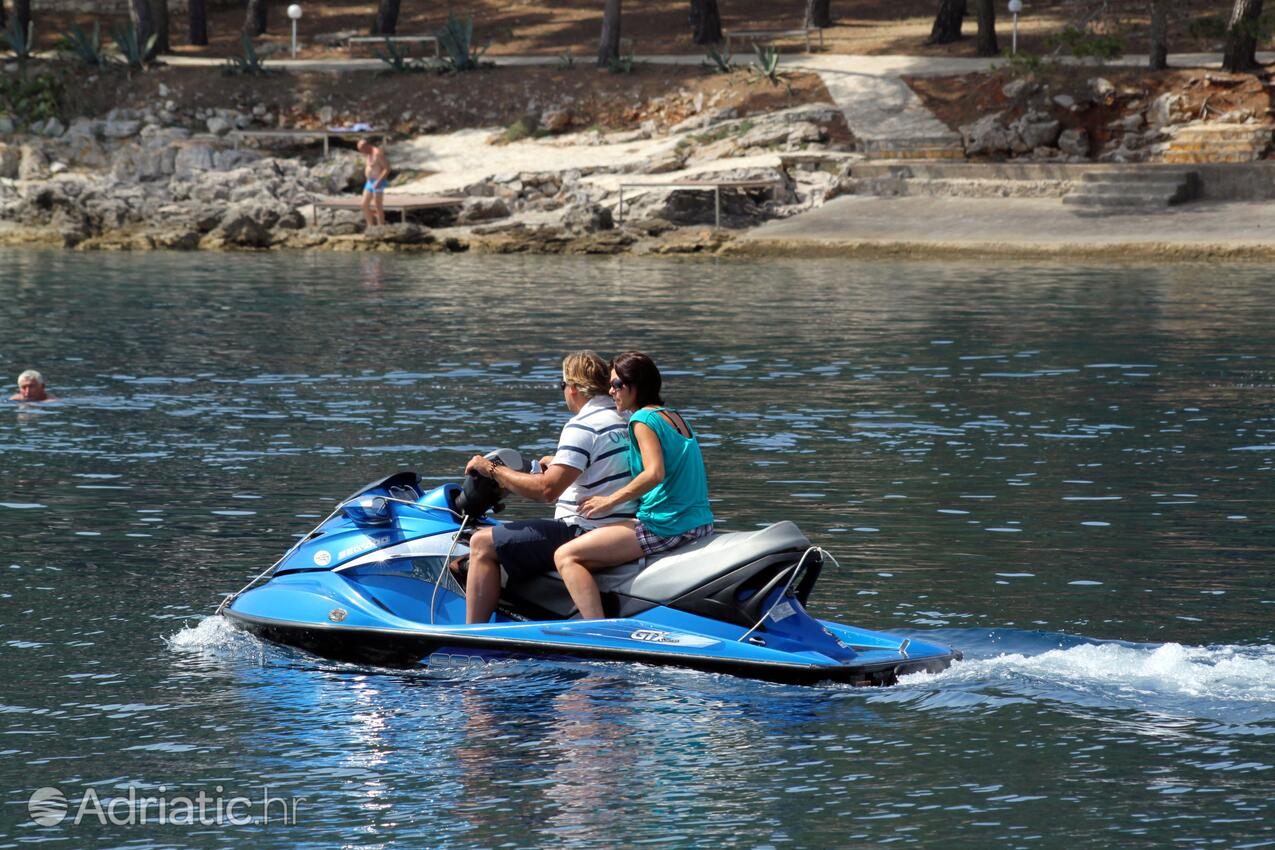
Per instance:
{"type": "Point", "coordinates": [679, 502]}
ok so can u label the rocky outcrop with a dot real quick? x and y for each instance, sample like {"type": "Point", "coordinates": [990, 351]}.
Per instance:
{"type": "Point", "coordinates": [141, 179]}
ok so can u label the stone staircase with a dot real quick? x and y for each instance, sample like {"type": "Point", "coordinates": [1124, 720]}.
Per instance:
{"type": "Point", "coordinates": [1140, 189]}
{"type": "Point", "coordinates": [1198, 143]}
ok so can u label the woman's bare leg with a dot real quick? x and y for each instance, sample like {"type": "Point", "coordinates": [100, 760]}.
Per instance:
{"type": "Point", "coordinates": [604, 547]}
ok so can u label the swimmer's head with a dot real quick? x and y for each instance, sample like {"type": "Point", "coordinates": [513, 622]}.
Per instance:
{"type": "Point", "coordinates": [31, 386]}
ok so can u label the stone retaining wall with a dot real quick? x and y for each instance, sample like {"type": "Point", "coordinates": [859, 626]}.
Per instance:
{"type": "Point", "coordinates": [1253, 181]}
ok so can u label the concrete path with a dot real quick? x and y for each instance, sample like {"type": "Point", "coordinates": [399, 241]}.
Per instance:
{"type": "Point", "coordinates": [1019, 227]}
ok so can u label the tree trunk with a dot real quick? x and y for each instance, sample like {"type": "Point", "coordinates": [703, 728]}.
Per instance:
{"type": "Point", "coordinates": [1241, 37]}
{"type": "Point", "coordinates": [198, 22]}
{"type": "Point", "coordinates": [159, 9]}
{"type": "Point", "coordinates": [987, 45]}
{"type": "Point", "coordinates": [1159, 35]}
{"type": "Point", "coordinates": [22, 14]}
{"type": "Point", "coordinates": [947, 23]}
{"type": "Point", "coordinates": [139, 15]}
{"type": "Point", "coordinates": [706, 22]}
{"type": "Point", "coordinates": [818, 13]}
{"type": "Point", "coordinates": [609, 45]}
{"type": "Point", "coordinates": [254, 22]}
{"type": "Point", "coordinates": [386, 22]}
{"type": "Point", "coordinates": [4, 22]}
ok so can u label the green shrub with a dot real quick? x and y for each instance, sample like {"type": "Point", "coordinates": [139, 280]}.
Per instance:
{"type": "Point", "coordinates": [566, 62]}
{"type": "Point", "coordinates": [30, 99]}
{"type": "Point", "coordinates": [1024, 64]}
{"type": "Point", "coordinates": [1084, 44]}
{"type": "Point", "coordinates": [525, 126]}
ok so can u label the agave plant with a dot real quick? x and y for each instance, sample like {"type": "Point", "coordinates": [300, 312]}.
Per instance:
{"type": "Point", "coordinates": [767, 68]}
{"type": "Point", "coordinates": [132, 48]}
{"type": "Point", "coordinates": [566, 61]}
{"type": "Point", "coordinates": [720, 62]}
{"type": "Point", "coordinates": [457, 40]}
{"type": "Point", "coordinates": [21, 43]}
{"type": "Point", "coordinates": [248, 64]}
{"type": "Point", "coordinates": [87, 48]}
{"type": "Point", "coordinates": [397, 58]}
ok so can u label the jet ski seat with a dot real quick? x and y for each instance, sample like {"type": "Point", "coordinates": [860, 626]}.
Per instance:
{"type": "Point", "coordinates": [665, 578]}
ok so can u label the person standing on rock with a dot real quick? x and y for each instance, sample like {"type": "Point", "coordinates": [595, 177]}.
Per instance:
{"type": "Point", "coordinates": [376, 171]}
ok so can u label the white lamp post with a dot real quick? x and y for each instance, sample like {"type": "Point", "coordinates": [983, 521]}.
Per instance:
{"type": "Point", "coordinates": [1015, 6]}
{"type": "Point", "coordinates": [294, 12]}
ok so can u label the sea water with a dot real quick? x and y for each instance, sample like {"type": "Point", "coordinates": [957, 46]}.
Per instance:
{"type": "Point", "coordinates": [1065, 471]}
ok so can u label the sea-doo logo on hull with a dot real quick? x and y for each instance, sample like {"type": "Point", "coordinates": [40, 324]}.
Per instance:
{"type": "Point", "coordinates": [323, 557]}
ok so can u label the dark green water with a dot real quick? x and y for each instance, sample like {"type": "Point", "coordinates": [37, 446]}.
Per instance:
{"type": "Point", "coordinates": [1066, 472]}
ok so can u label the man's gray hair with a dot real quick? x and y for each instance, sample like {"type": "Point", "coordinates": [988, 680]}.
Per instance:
{"type": "Point", "coordinates": [31, 375]}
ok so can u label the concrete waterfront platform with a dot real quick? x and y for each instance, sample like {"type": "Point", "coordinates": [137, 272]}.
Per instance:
{"type": "Point", "coordinates": [936, 227]}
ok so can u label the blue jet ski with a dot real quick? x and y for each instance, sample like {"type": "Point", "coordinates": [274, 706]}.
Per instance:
{"type": "Point", "coordinates": [371, 584]}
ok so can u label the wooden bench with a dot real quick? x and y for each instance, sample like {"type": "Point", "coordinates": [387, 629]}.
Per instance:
{"type": "Point", "coordinates": [716, 186]}
{"type": "Point", "coordinates": [325, 135]}
{"type": "Point", "coordinates": [381, 39]}
{"type": "Point", "coordinates": [771, 35]}
{"type": "Point", "coordinates": [402, 203]}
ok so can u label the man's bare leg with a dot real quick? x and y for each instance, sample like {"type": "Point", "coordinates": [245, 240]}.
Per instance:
{"type": "Point", "coordinates": [482, 585]}
{"type": "Point", "coordinates": [367, 210]}
{"type": "Point", "coordinates": [380, 208]}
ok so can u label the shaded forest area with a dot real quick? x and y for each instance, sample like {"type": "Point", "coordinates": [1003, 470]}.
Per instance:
{"type": "Point", "coordinates": [606, 28]}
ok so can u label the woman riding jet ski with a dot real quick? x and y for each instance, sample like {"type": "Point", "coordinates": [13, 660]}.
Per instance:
{"type": "Point", "coordinates": [371, 584]}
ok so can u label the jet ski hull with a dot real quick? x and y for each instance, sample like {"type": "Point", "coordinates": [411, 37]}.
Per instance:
{"type": "Point", "coordinates": [394, 648]}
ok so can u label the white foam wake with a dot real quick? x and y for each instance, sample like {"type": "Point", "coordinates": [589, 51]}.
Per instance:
{"type": "Point", "coordinates": [1192, 680]}
{"type": "Point", "coordinates": [211, 634]}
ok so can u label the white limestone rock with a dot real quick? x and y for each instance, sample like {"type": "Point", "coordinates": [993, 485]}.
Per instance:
{"type": "Point", "coordinates": [219, 125]}
{"type": "Point", "coordinates": [988, 135]}
{"type": "Point", "coordinates": [482, 209]}
{"type": "Point", "coordinates": [1074, 143]}
{"type": "Point", "coordinates": [191, 160]}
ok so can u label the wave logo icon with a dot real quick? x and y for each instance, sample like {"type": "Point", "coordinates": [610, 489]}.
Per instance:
{"type": "Point", "coordinates": [47, 806]}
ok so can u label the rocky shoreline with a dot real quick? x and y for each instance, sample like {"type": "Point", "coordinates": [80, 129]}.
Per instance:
{"type": "Point", "coordinates": [155, 179]}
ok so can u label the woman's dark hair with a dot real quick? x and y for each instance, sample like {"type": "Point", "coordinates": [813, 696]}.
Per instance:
{"type": "Point", "coordinates": [639, 372]}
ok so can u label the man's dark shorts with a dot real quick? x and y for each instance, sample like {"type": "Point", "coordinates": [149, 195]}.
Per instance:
{"type": "Point", "coordinates": [525, 548]}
